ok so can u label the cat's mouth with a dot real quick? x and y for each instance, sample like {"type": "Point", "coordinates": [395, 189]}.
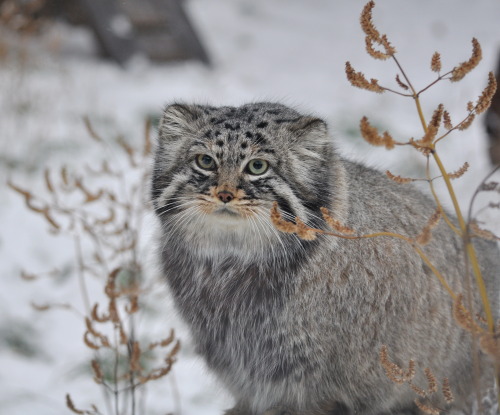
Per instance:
{"type": "Point", "coordinates": [226, 211]}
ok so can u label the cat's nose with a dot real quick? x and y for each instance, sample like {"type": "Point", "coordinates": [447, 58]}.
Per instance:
{"type": "Point", "coordinates": [225, 196]}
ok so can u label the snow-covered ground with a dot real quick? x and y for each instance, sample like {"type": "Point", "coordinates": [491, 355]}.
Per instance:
{"type": "Point", "coordinates": [293, 51]}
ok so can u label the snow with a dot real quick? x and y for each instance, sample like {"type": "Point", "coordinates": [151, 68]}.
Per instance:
{"type": "Point", "coordinates": [287, 50]}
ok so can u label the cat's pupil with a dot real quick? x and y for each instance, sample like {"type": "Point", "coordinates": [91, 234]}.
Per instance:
{"type": "Point", "coordinates": [257, 165]}
{"type": "Point", "coordinates": [205, 162]}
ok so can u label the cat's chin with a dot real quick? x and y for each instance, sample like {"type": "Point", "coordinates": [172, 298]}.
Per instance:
{"type": "Point", "coordinates": [225, 211]}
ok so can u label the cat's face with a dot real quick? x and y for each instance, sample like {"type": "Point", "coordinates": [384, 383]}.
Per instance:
{"type": "Point", "coordinates": [220, 169]}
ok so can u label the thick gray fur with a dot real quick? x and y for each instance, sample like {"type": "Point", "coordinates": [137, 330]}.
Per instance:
{"type": "Point", "coordinates": [293, 326]}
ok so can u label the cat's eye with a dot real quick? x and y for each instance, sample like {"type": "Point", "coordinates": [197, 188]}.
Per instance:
{"type": "Point", "coordinates": [205, 162]}
{"type": "Point", "coordinates": [257, 167]}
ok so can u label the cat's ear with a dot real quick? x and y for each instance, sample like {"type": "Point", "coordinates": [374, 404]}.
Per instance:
{"type": "Point", "coordinates": [310, 136]}
{"type": "Point", "coordinates": [178, 120]}
{"type": "Point", "coordinates": [311, 127]}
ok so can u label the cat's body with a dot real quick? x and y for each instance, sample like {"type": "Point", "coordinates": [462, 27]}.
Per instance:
{"type": "Point", "coordinates": [297, 324]}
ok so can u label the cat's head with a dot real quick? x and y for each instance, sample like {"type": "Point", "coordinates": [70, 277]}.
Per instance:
{"type": "Point", "coordinates": [220, 169]}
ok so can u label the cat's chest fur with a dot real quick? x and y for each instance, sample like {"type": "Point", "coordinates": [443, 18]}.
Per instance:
{"type": "Point", "coordinates": [236, 306]}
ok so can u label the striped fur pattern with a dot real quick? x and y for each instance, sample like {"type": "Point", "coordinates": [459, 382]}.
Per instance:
{"type": "Point", "coordinates": [293, 326]}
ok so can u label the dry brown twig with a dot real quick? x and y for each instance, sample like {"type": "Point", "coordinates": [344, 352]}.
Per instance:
{"type": "Point", "coordinates": [122, 362]}
{"type": "Point", "coordinates": [401, 376]}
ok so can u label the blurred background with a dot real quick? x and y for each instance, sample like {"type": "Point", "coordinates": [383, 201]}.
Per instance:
{"type": "Point", "coordinates": [117, 64]}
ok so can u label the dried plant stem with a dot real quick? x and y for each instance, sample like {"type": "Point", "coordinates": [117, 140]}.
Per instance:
{"type": "Point", "coordinates": [116, 391]}
{"type": "Point", "coordinates": [471, 252]}
{"type": "Point", "coordinates": [463, 227]}
{"type": "Point", "coordinates": [81, 278]}
{"type": "Point", "coordinates": [417, 249]}
{"type": "Point", "coordinates": [438, 202]}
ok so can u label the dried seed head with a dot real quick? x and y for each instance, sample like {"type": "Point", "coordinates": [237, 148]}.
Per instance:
{"type": "Point", "coordinates": [467, 122]}
{"type": "Point", "coordinates": [394, 372]}
{"type": "Point", "coordinates": [431, 381]}
{"type": "Point", "coordinates": [135, 358]}
{"type": "Point", "coordinates": [425, 236]}
{"type": "Point", "coordinates": [401, 83]}
{"type": "Point", "coordinates": [460, 172]}
{"type": "Point", "coordinates": [366, 22]}
{"type": "Point", "coordinates": [463, 317]}
{"type": "Point", "coordinates": [398, 179]}
{"type": "Point", "coordinates": [482, 233]}
{"type": "Point", "coordinates": [490, 344]}
{"type": "Point", "coordinates": [164, 342]}
{"type": "Point", "coordinates": [426, 408]}
{"type": "Point", "coordinates": [376, 54]}
{"type": "Point", "coordinates": [358, 80]}
{"type": "Point", "coordinates": [279, 223]}
{"type": "Point", "coordinates": [433, 127]}
{"type": "Point", "coordinates": [98, 375]}
{"type": "Point", "coordinates": [303, 231]}
{"type": "Point", "coordinates": [28, 276]}
{"type": "Point", "coordinates": [334, 223]}
{"type": "Point", "coordinates": [389, 49]}
{"type": "Point", "coordinates": [436, 62]}
{"type": "Point", "coordinates": [91, 130]}
{"type": "Point", "coordinates": [419, 391]}
{"type": "Point", "coordinates": [490, 187]}
{"type": "Point", "coordinates": [448, 395]}
{"type": "Point", "coordinates": [89, 343]}
{"type": "Point", "coordinates": [71, 405]}
{"type": "Point", "coordinates": [447, 120]}
{"type": "Point", "coordinates": [96, 317]}
{"type": "Point", "coordinates": [465, 67]}
{"type": "Point", "coordinates": [371, 135]}
{"type": "Point", "coordinates": [133, 307]}
{"type": "Point", "coordinates": [484, 100]}
{"type": "Point", "coordinates": [299, 227]}
{"type": "Point", "coordinates": [48, 181]}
